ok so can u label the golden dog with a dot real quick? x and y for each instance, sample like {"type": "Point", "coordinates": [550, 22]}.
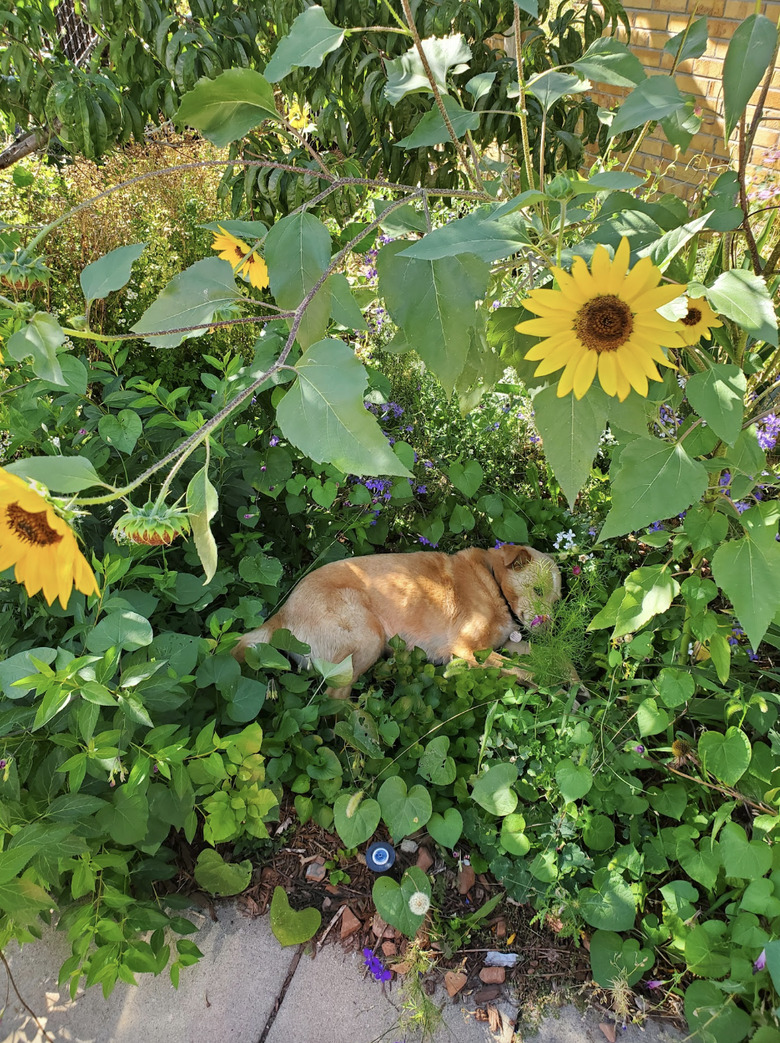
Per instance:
{"type": "Point", "coordinates": [448, 605]}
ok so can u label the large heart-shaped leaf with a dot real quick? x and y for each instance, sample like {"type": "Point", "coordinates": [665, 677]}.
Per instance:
{"type": "Point", "coordinates": [312, 35]}
{"type": "Point", "coordinates": [403, 812]}
{"type": "Point", "coordinates": [191, 298]}
{"type": "Point", "coordinates": [355, 818]}
{"type": "Point", "coordinates": [228, 107]}
{"type": "Point", "coordinates": [446, 829]}
{"type": "Point", "coordinates": [403, 906]}
{"type": "Point", "coordinates": [290, 926]}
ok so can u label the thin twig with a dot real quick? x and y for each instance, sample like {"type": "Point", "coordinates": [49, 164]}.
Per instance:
{"type": "Point", "coordinates": [21, 998]}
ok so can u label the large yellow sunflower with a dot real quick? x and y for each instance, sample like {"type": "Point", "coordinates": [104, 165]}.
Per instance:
{"type": "Point", "coordinates": [698, 322]}
{"type": "Point", "coordinates": [240, 255]}
{"type": "Point", "coordinates": [40, 544]}
{"type": "Point", "coordinates": [603, 320]}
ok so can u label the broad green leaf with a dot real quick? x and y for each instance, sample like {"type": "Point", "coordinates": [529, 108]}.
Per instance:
{"type": "Point", "coordinates": [432, 130]}
{"type": "Point", "coordinates": [513, 838]}
{"type": "Point", "coordinates": [478, 86]}
{"type": "Point", "coordinates": [713, 1016]}
{"type": "Point", "coordinates": [481, 234]}
{"type": "Point", "coordinates": [681, 126]}
{"type": "Point", "coordinates": [718, 397]}
{"type": "Point", "coordinates": [574, 780]}
{"type": "Point", "coordinates": [323, 413]}
{"type": "Point", "coordinates": [571, 430]}
{"type": "Point", "coordinates": [649, 591]}
{"type": "Point", "coordinates": [400, 220]}
{"type": "Point", "coordinates": [191, 298]}
{"type": "Point", "coordinates": [690, 43]}
{"type": "Point", "coordinates": [397, 904]}
{"type": "Point", "coordinates": [493, 791]}
{"type": "Point", "coordinates": [60, 474]}
{"type": "Point", "coordinates": [121, 430]}
{"type": "Point", "coordinates": [743, 297]}
{"type": "Point", "coordinates": [15, 667]}
{"type": "Point", "coordinates": [651, 718]}
{"type": "Point", "coordinates": [663, 249]}
{"type": "Point", "coordinates": [311, 37]}
{"type": "Point", "coordinates": [650, 101]}
{"type": "Point", "coordinates": [654, 480]}
{"type": "Point", "coordinates": [297, 252]}
{"type": "Point", "coordinates": [433, 302]}
{"type": "Point", "coordinates": [355, 818]}
{"type": "Point", "coordinates": [530, 7]}
{"type": "Point", "coordinates": [202, 504]}
{"type": "Point", "coordinates": [467, 477]}
{"type": "Point", "coordinates": [249, 230]}
{"type": "Point", "coordinates": [748, 570]}
{"type": "Point", "coordinates": [228, 107]}
{"type": "Point", "coordinates": [219, 877]}
{"type": "Point", "coordinates": [109, 272]}
{"type": "Point", "coordinates": [126, 818]}
{"type": "Point", "coordinates": [121, 629]}
{"type": "Point", "coordinates": [747, 59]}
{"type": "Point", "coordinates": [727, 757]}
{"type": "Point", "coordinates": [607, 60]}
{"type": "Point", "coordinates": [614, 958]}
{"type": "Point", "coordinates": [435, 764]}
{"type": "Point", "coordinates": [406, 75]}
{"type": "Point", "coordinates": [39, 339]}
{"type": "Point", "coordinates": [747, 859]}
{"type": "Point", "coordinates": [345, 309]}
{"type": "Point", "coordinates": [610, 904]}
{"type": "Point", "coordinates": [23, 901]}
{"type": "Point", "coordinates": [549, 86]}
{"type": "Point", "coordinates": [291, 926]}
{"type": "Point", "coordinates": [706, 950]}
{"type": "Point", "coordinates": [403, 812]}
{"type": "Point", "coordinates": [446, 829]}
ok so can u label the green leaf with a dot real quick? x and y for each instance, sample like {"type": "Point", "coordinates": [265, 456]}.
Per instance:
{"type": "Point", "coordinates": [40, 339]}
{"type": "Point", "coordinates": [513, 838]}
{"type": "Point", "coordinates": [393, 901]}
{"type": "Point", "coordinates": [700, 864]}
{"type": "Point", "coordinates": [228, 107]}
{"type": "Point", "coordinates": [202, 505]}
{"type": "Point", "coordinates": [126, 818]}
{"type": "Point", "coordinates": [650, 101]}
{"type": "Point", "coordinates": [61, 474]}
{"type": "Point", "coordinates": [743, 297]}
{"type": "Point", "coordinates": [748, 571]}
{"type": "Point", "coordinates": [219, 877]}
{"type": "Point", "coordinates": [433, 302]}
{"type": "Point", "coordinates": [481, 233]}
{"type": "Point", "coordinates": [311, 37]}
{"type": "Point", "coordinates": [403, 812]}
{"type": "Point", "coordinates": [750, 51]}
{"type": "Point", "coordinates": [356, 818]}
{"type": "Point", "coordinates": [406, 75]}
{"type": "Point", "coordinates": [654, 480]}
{"type": "Point", "coordinates": [609, 905]}
{"type": "Point", "coordinates": [346, 310]}
{"type": "Point", "coordinates": [323, 413]}
{"type": "Point", "coordinates": [23, 901]}
{"type": "Point", "coordinates": [607, 60]}
{"type": "Point", "coordinates": [690, 43]}
{"type": "Point", "coordinates": [713, 1016]}
{"type": "Point", "coordinates": [651, 718]}
{"type": "Point", "coordinates": [570, 429]}
{"type": "Point", "coordinates": [109, 272]}
{"type": "Point", "coordinates": [718, 397]}
{"type": "Point", "coordinates": [493, 791]}
{"type": "Point", "coordinates": [121, 430]}
{"type": "Point", "coordinates": [614, 959]}
{"type": "Point", "coordinates": [467, 477]}
{"type": "Point", "coordinates": [747, 859]}
{"type": "Point", "coordinates": [292, 927]}
{"type": "Point", "coordinates": [446, 829]}
{"type": "Point", "coordinates": [574, 780]}
{"type": "Point", "coordinates": [122, 629]}
{"type": "Point", "coordinates": [432, 130]}
{"type": "Point", "coordinates": [549, 86]}
{"type": "Point", "coordinates": [191, 298]}
{"type": "Point", "coordinates": [649, 591]}
{"type": "Point", "coordinates": [727, 757]}
{"type": "Point", "coordinates": [435, 764]}
{"type": "Point", "coordinates": [297, 251]}
{"type": "Point", "coordinates": [706, 950]}
{"type": "Point", "coordinates": [530, 7]}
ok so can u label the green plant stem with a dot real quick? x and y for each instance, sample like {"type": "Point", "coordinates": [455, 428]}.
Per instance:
{"type": "Point", "coordinates": [521, 109]}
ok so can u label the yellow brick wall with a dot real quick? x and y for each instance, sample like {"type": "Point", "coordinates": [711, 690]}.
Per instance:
{"type": "Point", "coordinates": [653, 23]}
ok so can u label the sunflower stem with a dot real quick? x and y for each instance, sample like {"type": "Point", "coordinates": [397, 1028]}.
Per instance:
{"type": "Point", "coordinates": [521, 110]}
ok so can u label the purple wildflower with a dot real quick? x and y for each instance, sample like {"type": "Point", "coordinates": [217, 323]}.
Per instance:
{"type": "Point", "coordinates": [639, 748]}
{"type": "Point", "coordinates": [655, 527]}
{"type": "Point", "coordinates": [375, 965]}
{"type": "Point", "coordinates": [427, 464]}
{"type": "Point", "coordinates": [273, 440]}
{"type": "Point", "coordinates": [421, 490]}
{"type": "Point", "coordinates": [3, 763]}
{"type": "Point", "coordinates": [654, 984]}
{"type": "Point", "coordinates": [425, 542]}
{"type": "Point", "coordinates": [760, 963]}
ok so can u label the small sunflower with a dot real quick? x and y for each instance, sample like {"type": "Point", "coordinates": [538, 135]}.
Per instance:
{"type": "Point", "coordinates": [298, 115]}
{"type": "Point", "coordinates": [240, 255]}
{"type": "Point", "coordinates": [153, 525]}
{"type": "Point", "coordinates": [698, 322]}
{"type": "Point", "coordinates": [603, 320]}
{"type": "Point", "coordinates": [40, 544]}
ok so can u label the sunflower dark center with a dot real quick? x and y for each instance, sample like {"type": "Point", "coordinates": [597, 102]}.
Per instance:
{"type": "Point", "coordinates": [604, 323]}
{"type": "Point", "coordinates": [31, 527]}
{"type": "Point", "coordinates": [239, 253]}
{"type": "Point", "coordinates": [693, 317]}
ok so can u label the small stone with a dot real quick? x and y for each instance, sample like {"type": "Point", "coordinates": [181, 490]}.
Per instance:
{"type": "Point", "coordinates": [349, 923]}
{"type": "Point", "coordinates": [492, 975]}
{"type": "Point", "coordinates": [409, 846]}
{"type": "Point", "coordinates": [380, 928]}
{"type": "Point", "coordinates": [501, 928]}
{"type": "Point", "coordinates": [609, 1031]}
{"type": "Point", "coordinates": [466, 879]}
{"type": "Point", "coordinates": [454, 982]}
{"type": "Point", "coordinates": [389, 949]}
{"type": "Point", "coordinates": [424, 859]}
{"type": "Point", "coordinates": [400, 968]}
{"type": "Point", "coordinates": [315, 872]}
{"type": "Point", "coordinates": [491, 992]}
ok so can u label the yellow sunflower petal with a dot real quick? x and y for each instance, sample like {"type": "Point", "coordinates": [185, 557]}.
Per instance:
{"type": "Point", "coordinates": [631, 370]}
{"type": "Point", "coordinates": [623, 386]}
{"type": "Point", "coordinates": [559, 357]}
{"type": "Point", "coordinates": [643, 276]}
{"type": "Point", "coordinates": [651, 300]}
{"type": "Point", "coordinates": [568, 288]}
{"type": "Point", "coordinates": [584, 281]}
{"type": "Point", "coordinates": [585, 372]}
{"type": "Point", "coordinates": [601, 268]}
{"type": "Point", "coordinates": [607, 372]}
{"type": "Point", "coordinates": [544, 327]}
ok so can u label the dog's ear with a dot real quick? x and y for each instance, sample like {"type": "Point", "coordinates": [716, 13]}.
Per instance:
{"type": "Point", "coordinates": [513, 557]}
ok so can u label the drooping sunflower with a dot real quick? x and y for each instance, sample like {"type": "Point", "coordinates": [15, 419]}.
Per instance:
{"type": "Point", "coordinates": [40, 544]}
{"type": "Point", "coordinates": [298, 115]}
{"type": "Point", "coordinates": [238, 253]}
{"type": "Point", "coordinates": [698, 322]}
{"type": "Point", "coordinates": [603, 320]}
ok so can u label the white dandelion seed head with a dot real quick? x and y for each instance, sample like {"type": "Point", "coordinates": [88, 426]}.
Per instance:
{"type": "Point", "coordinates": [419, 903]}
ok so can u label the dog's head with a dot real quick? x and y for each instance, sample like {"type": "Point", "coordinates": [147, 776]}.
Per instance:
{"type": "Point", "coordinates": [529, 579]}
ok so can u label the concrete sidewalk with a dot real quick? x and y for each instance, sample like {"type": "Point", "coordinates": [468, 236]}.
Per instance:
{"type": "Point", "coordinates": [248, 989]}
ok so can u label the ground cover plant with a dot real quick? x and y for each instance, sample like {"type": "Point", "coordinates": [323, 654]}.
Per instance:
{"type": "Point", "coordinates": [443, 362]}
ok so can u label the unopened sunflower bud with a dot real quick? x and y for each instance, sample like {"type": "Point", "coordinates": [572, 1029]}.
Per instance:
{"type": "Point", "coordinates": [153, 525]}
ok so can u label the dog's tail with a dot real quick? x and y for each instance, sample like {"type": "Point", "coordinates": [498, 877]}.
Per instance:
{"type": "Point", "coordinates": [261, 636]}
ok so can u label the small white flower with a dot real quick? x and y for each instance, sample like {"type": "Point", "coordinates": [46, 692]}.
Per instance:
{"type": "Point", "coordinates": [681, 380]}
{"type": "Point", "coordinates": [419, 903]}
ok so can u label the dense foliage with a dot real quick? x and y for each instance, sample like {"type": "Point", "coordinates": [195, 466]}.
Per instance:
{"type": "Point", "coordinates": [389, 401]}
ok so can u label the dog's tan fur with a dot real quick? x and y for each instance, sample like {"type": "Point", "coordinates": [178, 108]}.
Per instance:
{"type": "Point", "coordinates": [448, 605]}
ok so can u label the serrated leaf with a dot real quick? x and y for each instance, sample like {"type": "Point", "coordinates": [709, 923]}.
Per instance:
{"type": "Point", "coordinates": [748, 571]}
{"type": "Point", "coordinates": [297, 251]}
{"type": "Point", "coordinates": [432, 130]}
{"type": "Point", "coordinates": [191, 298]}
{"type": "Point", "coordinates": [743, 297]}
{"type": "Point", "coordinates": [406, 75]}
{"type": "Point", "coordinates": [750, 51]}
{"type": "Point", "coordinates": [202, 504]}
{"type": "Point", "coordinates": [718, 397]}
{"type": "Point", "coordinates": [323, 413]}
{"type": "Point", "coordinates": [109, 272]}
{"type": "Point", "coordinates": [570, 429]}
{"type": "Point", "coordinates": [61, 474]}
{"type": "Point", "coordinates": [228, 107]}
{"type": "Point", "coordinates": [481, 234]}
{"type": "Point", "coordinates": [607, 60]}
{"type": "Point", "coordinates": [312, 35]}
{"type": "Point", "coordinates": [650, 101]}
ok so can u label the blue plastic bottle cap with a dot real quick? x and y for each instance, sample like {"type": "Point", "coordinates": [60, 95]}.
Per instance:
{"type": "Point", "coordinates": [380, 857]}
